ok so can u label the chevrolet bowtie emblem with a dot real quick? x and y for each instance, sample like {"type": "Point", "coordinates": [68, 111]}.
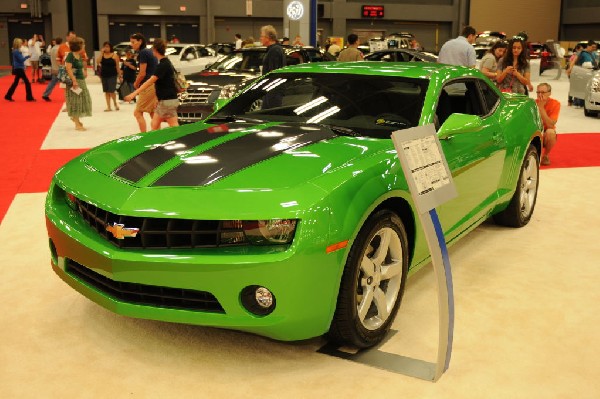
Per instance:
{"type": "Point", "coordinates": [119, 231]}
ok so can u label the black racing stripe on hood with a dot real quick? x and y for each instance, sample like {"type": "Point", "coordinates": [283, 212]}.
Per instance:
{"type": "Point", "coordinates": [235, 155]}
{"type": "Point", "coordinates": [139, 166]}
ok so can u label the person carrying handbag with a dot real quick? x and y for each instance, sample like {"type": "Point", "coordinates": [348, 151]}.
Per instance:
{"type": "Point", "coordinates": [166, 91]}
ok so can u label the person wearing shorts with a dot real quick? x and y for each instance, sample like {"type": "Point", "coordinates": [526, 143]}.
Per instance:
{"type": "Point", "coordinates": [147, 62]}
{"type": "Point", "coordinates": [163, 83]}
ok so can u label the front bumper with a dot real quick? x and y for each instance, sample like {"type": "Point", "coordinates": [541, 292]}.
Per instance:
{"type": "Point", "coordinates": [592, 101]}
{"type": "Point", "coordinates": [304, 281]}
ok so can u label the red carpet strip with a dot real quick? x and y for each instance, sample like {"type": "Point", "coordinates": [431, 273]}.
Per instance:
{"type": "Point", "coordinates": [575, 150]}
{"type": "Point", "coordinates": [24, 127]}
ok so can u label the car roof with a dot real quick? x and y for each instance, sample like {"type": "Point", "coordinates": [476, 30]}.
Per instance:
{"type": "Point", "coordinates": [417, 70]}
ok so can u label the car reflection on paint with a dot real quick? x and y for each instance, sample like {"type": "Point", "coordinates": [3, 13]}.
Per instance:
{"type": "Point", "coordinates": [286, 213]}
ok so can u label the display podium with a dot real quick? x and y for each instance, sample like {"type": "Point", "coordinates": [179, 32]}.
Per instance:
{"type": "Point", "coordinates": [430, 183]}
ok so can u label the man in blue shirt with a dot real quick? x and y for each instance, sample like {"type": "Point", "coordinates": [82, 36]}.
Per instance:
{"type": "Point", "coordinates": [460, 51]}
{"type": "Point", "coordinates": [587, 55]}
{"type": "Point", "coordinates": [147, 100]}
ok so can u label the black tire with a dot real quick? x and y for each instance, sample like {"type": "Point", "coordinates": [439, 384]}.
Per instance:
{"type": "Point", "coordinates": [587, 112]}
{"type": "Point", "coordinates": [521, 206]}
{"type": "Point", "coordinates": [368, 326]}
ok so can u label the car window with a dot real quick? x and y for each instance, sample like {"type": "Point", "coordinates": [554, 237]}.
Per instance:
{"type": "Point", "coordinates": [252, 60]}
{"type": "Point", "coordinates": [314, 55]}
{"type": "Point", "coordinates": [294, 58]}
{"type": "Point", "coordinates": [202, 51]}
{"type": "Point", "coordinates": [490, 97]}
{"type": "Point", "coordinates": [460, 97]}
{"type": "Point", "coordinates": [189, 54]}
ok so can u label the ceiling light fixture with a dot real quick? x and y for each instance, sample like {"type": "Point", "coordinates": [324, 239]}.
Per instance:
{"type": "Point", "coordinates": [148, 7]}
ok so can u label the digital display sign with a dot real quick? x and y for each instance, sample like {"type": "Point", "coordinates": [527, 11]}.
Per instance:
{"type": "Point", "coordinates": [372, 11]}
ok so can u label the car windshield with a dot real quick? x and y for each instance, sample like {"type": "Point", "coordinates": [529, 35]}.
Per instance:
{"type": "Point", "coordinates": [366, 105]}
{"type": "Point", "coordinates": [249, 61]}
{"type": "Point", "coordinates": [170, 50]}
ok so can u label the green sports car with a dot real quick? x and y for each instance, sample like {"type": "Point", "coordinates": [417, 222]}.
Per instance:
{"type": "Point", "coordinates": [286, 213]}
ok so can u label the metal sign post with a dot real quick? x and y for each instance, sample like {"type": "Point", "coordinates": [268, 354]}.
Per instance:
{"type": "Point", "coordinates": [430, 183]}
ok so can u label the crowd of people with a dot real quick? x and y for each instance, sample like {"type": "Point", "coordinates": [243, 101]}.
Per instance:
{"type": "Point", "coordinates": [69, 69]}
{"type": "Point", "coordinates": [147, 77]}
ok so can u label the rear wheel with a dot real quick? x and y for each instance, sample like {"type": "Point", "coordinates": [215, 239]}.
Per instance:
{"type": "Point", "coordinates": [519, 210]}
{"type": "Point", "coordinates": [372, 283]}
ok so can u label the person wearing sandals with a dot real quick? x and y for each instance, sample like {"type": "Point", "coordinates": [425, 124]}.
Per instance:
{"type": "Point", "coordinates": [79, 102]}
{"type": "Point", "coordinates": [163, 80]}
{"type": "Point", "coordinates": [19, 72]}
{"type": "Point", "coordinates": [109, 66]}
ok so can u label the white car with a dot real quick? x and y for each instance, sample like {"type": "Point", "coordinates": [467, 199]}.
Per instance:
{"type": "Point", "coordinates": [585, 84]}
{"type": "Point", "coordinates": [190, 58]}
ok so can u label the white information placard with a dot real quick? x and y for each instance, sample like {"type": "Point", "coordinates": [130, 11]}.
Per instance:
{"type": "Point", "coordinates": [425, 167]}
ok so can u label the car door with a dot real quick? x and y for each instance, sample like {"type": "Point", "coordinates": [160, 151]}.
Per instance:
{"type": "Point", "coordinates": [578, 81]}
{"type": "Point", "coordinates": [475, 155]}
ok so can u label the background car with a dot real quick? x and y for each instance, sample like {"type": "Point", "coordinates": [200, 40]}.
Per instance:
{"type": "Point", "coordinates": [224, 78]}
{"type": "Point", "coordinates": [488, 38]}
{"type": "Point", "coordinates": [190, 58]}
{"type": "Point", "coordinates": [400, 55]}
{"type": "Point", "coordinates": [293, 218]}
{"type": "Point", "coordinates": [584, 83]}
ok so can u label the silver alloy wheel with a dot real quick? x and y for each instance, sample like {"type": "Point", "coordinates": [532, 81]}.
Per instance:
{"type": "Point", "coordinates": [529, 185]}
{"type": "Point", "coordinates": [380, 278]}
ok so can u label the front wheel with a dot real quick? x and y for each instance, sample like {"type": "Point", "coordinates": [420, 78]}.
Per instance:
{"type": "Point", "coordinates": [519, 210]}
{"type": "Point", "coordinates": [372, 283]}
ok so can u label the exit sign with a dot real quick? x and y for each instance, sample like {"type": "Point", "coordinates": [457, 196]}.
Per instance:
{"type": "Point", "coordinates": [372, 11]}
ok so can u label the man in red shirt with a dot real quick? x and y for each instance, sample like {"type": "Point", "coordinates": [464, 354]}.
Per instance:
{"type": "Point", "coordinates": [549, 109]}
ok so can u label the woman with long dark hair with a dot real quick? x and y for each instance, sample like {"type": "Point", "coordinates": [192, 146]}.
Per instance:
{"type": "Point", "coordinates": [489, 62]}
{"type": "Point", "coordinates": [513, 69]}
{"type": "Point", "coordinates": [18, 62]}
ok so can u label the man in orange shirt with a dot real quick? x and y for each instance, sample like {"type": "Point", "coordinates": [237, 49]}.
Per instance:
{"type": "Point", "coordinates": [549, 109]}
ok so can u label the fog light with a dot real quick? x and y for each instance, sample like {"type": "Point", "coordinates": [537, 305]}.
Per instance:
{"type": "Point", "coordinates": [258, 300]}
{"type": "Point", "coordinates": [263, 297]}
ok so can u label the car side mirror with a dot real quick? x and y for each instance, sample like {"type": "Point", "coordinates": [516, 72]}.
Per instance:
{"type": "Point", "coordinates": [458, 124]}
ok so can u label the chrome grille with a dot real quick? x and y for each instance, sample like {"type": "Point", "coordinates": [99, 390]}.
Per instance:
{"type": "Point", "coordinates": [164, 233]}
{"type": "Point", "coordinates": [142, 294]}
{"type": "Point", "coordinates": [195, 95]}
{"type": "Point", "coordinates": [190, 116]}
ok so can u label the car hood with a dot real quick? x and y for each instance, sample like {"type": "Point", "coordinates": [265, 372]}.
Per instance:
{"type": "Point", "coordinates": [238, 170]}
{"type": "Point", "coordinates": [221, 79]}
{"type": "Point", "coordinates": [230, 156]}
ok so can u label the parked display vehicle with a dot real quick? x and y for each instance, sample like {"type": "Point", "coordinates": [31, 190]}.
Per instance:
{"type": "Point", "coordinates": [584, 83]}
{"type": "Point", "coordinates": [190, 58]}
{"type": "Point", "coordinates": [224, 78]}
{"type": "Point", "coordinates": [400, 55]}
{"type": "Point", "coordinates": [286, 214]}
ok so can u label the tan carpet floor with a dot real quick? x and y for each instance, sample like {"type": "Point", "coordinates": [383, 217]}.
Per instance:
{"type": "Point", "coordinates": [527, 319]}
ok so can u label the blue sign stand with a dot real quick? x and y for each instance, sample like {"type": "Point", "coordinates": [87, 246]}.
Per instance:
{"type": "Point", "coordinates": [430, 183]}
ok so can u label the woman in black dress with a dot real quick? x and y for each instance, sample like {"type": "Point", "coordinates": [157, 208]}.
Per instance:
{"type": "Point", "coordinates": [110, 69]}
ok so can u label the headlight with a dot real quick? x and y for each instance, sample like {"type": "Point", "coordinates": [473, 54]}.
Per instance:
{"type": "Point", "coordinates": [270, 232]}
{"type": "Point", "coordinates": [228, 91]}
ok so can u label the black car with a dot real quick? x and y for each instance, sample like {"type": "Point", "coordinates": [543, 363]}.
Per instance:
{"type": "Point", "coordinates": [225, 77]}
{"type": "Point", "coordinates": [400, 55]}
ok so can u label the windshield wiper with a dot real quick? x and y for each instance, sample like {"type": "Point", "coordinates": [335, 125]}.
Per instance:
{"type": "Point", "coordinates": [233, 118]}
